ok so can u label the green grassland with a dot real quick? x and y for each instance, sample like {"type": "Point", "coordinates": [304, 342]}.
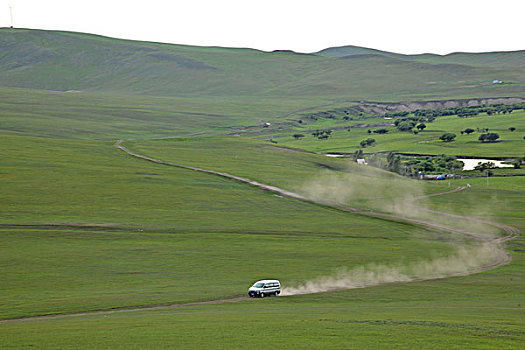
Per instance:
{"type": "Point", "coordinates": [84, 226]}
{"type": "Point", "coordinates": [103, 116]}
{"type": "Point", "coordinates": [289, 168]}
{"type": "Point", "coordinates": [65, 61]}
{"type": "Point", "coordinates": [159, 255]}
{"type": "Point", "coordinates": [316, 176]}
{"type": "Point", "coordinates": [510, 144]}
{"type": "Point", "coordinates": [92, 228]}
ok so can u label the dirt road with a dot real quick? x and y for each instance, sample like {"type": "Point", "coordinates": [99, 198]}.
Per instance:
{"type": "Point", "coordinates": [510, 233]}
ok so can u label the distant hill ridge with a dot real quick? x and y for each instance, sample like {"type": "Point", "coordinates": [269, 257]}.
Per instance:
{"type": "Point", "coordinates": [508, 57]}
{"type": "Point", "coordinates": [66, 61]}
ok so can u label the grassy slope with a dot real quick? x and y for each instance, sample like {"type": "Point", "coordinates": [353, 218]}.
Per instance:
{"type": "Point", "coordinates": [481, 311]}
{"type": "Point", "coordinates": [101, 116]}
{"type": "Point", "coordinates": [165, 234]}
{"type": "Point", "coordinates": [74, 61]}
{"type": "Point", "coordinates": [142, 267]}
{"type": "Point", "coordinates": [271, 164]}
{"type": "Point", "coordinates": [427, 142]}
{"type": "Point", "coordinates": [197, 225]}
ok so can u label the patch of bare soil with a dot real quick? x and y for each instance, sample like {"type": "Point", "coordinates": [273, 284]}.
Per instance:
{"type": "Point", "coordinates": [410, 106]}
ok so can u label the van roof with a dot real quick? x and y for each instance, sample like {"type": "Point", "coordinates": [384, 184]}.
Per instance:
{"type": "Point", "coordinates": [268, 281]}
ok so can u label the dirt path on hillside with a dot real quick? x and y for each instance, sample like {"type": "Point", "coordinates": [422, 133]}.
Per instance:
{"type": "Point", "coordinates": [510, 233]}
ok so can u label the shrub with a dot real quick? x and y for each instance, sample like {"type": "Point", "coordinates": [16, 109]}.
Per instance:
{"type": "Point", "coordinates": [489, 137]}
{"type": "Point", "coordinates": [367, 142]}
{"type": "Point", "coordinates": [406, 125]}
{"type": "Point", "coordinates": [447, 137]}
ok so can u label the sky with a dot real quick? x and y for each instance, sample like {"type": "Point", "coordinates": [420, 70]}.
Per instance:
{"type": "Point", "coordinates": [403, 26]}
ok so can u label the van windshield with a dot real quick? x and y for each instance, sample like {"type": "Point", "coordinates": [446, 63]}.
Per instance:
{"type": "Point", "coordinates": [258, 285]}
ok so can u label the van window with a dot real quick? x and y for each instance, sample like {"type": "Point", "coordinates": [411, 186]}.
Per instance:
{"type": "Point", "coordinates": [258, 285]}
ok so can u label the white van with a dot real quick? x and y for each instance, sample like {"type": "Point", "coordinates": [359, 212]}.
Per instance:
{"type": "Point", "coordinates": [265, 288]}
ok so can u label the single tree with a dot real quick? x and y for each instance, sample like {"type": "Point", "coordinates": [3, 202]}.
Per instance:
{"type": "Point", "coordinates": [367, 142]}
{"type": "Point", "coordinates": [406, 125]}
{"type": "Point", "coordinates": [447, 137]}
{"type": "Point", "coordinates": [512, 129]}
{"type": "Point", "coordinates": [298, 136]}
{"type": "Point", "coordinates": [421, 126]}
{"type": "Point", "coordinates": [358, 154]}
{"type": "Point", "coordinates": [469, 131]}
{"type": "Point", "coordinates": [490, 137]}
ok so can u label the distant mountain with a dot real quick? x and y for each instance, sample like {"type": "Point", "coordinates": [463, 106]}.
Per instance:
{"type": "Point", "coordinates": [349, 50]}
{"type": "Point", "coordinates": [66, 61]}
{"type": "Point", "coordinates": [505, 58]}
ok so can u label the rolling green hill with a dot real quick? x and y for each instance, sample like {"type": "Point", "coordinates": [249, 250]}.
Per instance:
{"type": "Point", "coordinates": [490, 59]}
{"type": "Point", "coordinates": [65, 61]}
{"type": "Point", "coordinates": [351, 50]}
{"type": "Point", "coordinates": [87, 227]}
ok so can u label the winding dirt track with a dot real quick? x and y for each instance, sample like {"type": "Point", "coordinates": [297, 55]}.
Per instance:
{"type": "Point", "coordinates": [511, 233]}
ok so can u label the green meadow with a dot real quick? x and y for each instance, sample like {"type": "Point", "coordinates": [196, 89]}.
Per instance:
{"type": "Point", "coordinates": [161, 245]}
{"type": "Point", "coordinates": [85, 227]}
{"type": "Point", "coordinates": [510, 143]}
{"type": "Point", "coordinates": [93, 228]}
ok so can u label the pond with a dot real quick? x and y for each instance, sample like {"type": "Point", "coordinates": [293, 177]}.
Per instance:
{"type": "Point", "coordinates": [471, 163]}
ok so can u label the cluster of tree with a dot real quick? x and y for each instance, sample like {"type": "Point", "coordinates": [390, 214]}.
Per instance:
{"type": "Point", "coordinates": [447, 137]}
{"type": "Point", "coordinates": [322, 134]}
{"type": "Point", "coordinates": [367, 142]}
{"type": "Point", "coordinates": [411, 166]}
{"type": "Point", "coordinates": [380, 131]}
{"type": "Point", "coordinates": [484, 166]}
{"type": "Point", "coordinates": [467, 131]}
{"type": "Point", "coordinates": [442, 163]}
{"type": "Point", "coordinates": [393, 163]}
{"type": "Point", "coordinates": [469, 111]}
{"type": "Point", "coordinates": [489, 137]}
{"type": "Point", "coordinates": [408, 124]}
{"type": "Point", "coordinates": [298, 136]}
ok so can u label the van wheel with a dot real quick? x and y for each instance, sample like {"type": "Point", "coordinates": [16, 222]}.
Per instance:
{"type": "Point", "coordinates": [262, 295]}
{"type": "Point", "coordinates": [276, 293]}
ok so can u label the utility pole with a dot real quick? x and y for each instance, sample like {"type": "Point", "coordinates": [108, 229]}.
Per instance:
{"type": "Point", "coordinates": [11, 14]}
{"type": "Point", "coordinates": [487, 178]}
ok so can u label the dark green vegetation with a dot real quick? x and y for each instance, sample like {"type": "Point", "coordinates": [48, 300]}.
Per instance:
{"type": "Point", "coordinates": [84, 227]}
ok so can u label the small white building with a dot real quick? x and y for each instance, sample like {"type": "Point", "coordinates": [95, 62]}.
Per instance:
{"type": "Point", "coordinates": [267, 125]}
{"type": "Point", "coordinates": [497, 82]}
{"type": "Point", "coordinates": [361, 161]}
